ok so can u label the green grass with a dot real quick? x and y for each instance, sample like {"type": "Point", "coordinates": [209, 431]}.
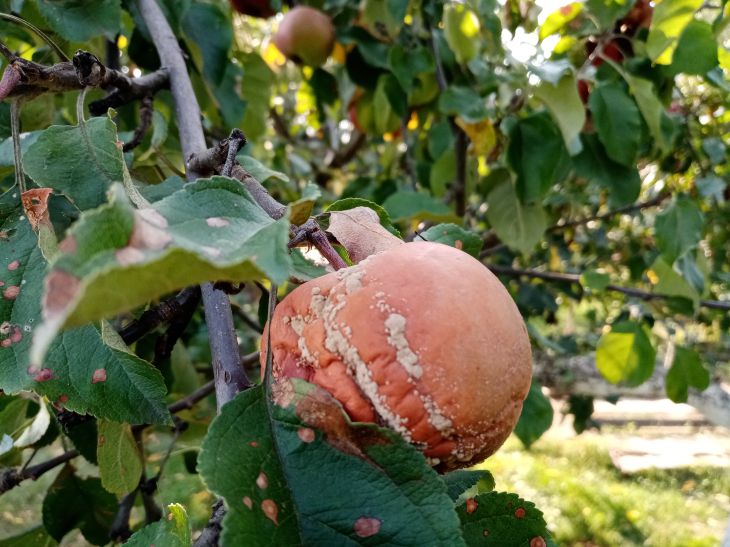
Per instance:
{"type": "Point", "coordinates": [587, 501]}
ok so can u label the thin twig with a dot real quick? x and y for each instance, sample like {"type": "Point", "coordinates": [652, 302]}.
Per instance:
{"type": "Point", "coordinates": [10, 478]}
{"type": "Point", "coordinates": [145, 120]}
{"type": "Point", "coordinates": [163, 312]}
{"type": "Point", "coordinates": [196, 396]}
{"type": "Point", "coordinates": [17, 153]}
{"type": "Point", "coordinates": [656, 200]}
{"type": "Point", "coordinates": [575, 280]}
{"type": "Point", "coordinates": [251, 323]}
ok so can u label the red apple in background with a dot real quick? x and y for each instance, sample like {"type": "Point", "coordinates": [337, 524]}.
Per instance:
{"type": "Point", "coordinates": [255, 8]}
{"type": "Point", "coordinates": [306, 36]}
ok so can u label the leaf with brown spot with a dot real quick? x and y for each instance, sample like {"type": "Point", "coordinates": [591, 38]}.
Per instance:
{"type": "Point", "coordinates": [134, 390]}
{"type": "Point", "coordinates": [359, 231]}
{"type": "Point", "coordinates": [125, 257]}
{"type": "Point", "coordinates": [495, 513]}
{"type": "Point", "coordinates": [352, 465]}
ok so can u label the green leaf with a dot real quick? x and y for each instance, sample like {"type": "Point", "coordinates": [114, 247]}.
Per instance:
{"type": "Point", "coordinates": [72, 502]}
{"type": "Point", "coordinates": [80, 20]}
{"type": "Point", "coordinates": [6, 147]}
{"type": "Point", "coordinates": [84, 437]}
{"type": "Point", "coordinates": [617, 121]}
{"type": "Point", "coordinates": [596, 281]}
{"type": "Point", "coordinates": [12, 418]}
{"type": "Point", "coordinates": [407, 64]}
{"type": "Point", "coordinates": [625, 354]}
{"type": "Point", "coordinates": [552, 71]}
{"type": "Point", "coordinates": [686, 371]}
{"type": "Point", "coordinates": [461, 481]}
{"type": "Point", "coordinates": [443, 172]}
{"type": "Point", "coordinates": [651, 108]}
{"type": "Point", "coordinates": [35, 537]}
{"type": "Point", "coordinates": [623, 183]}
{"type": "Point", "coordinates": [536, 417]}
{"type": "Point", "coordinates": [463, 102]}
{"type": "Point", "coordinates": [120, 463]}
{"type": "Point", "coordinates": [679, 228]}
{"type": "Point", "coordinates": [228, 96]}
{"type": "Point", "coordinates": [455, 236]}
{"type": "Point", "coordinates": [239, 462]}
{"type": "Point", "coordinates": [259, 171]}
{"type": "Point", "coordinates": [256, 91]}
{"type": "Point", "coordinates": [711, 185]}
{"type": "Point", "coordinates": [535, 153]}
{"type": "Point", "coordinates": [440, 139]}
{"type": "Point", "coordinates": [461, 30]}
{"type": "Point", "coordinates": [198, 24]}
{"type": "Point", "coordinates": [122, 257]}
{"type": "Point", "coordinates": [134, 390]}
{"type": "Point", "coordinates": [671, 283]}
{"type": "Point", "coordinates": [566, 107]}
{"type": "Point", "coordinates": [715, 149]}
{"type": "Point", "coordinates": [405, 205]}
{"type": "Point", "coordinates": [301, 209]}
{"type": "Point", "coordinates": [606, 12]}
{"type": "Point", "coordinates": [668, 22]}
{"type": "Point", "coordinates": [500, 518]}
{"type": "Point", "coordinates": [303, 269]}
{"type": "Point", "coordinates": [557, 20]}
{"type": "Point", "coordinates": [351, 203]}
{"type": "Point", "coordinates": [82, 163]}
{"type": "Point", "coordinates": [696, 51]}
{"type": "Point", "coordinates": [173, 530]}
{"type": "Point", "coordinates": [687, 266]}
{"type": "Point", "coordinates": [518, 226]}
{"type": "Point", "coordinates": [379, 487]}
{"type": "Point", "coordinates": [384, 17]}
{"type": "Point", "coordinates": [383, 111]}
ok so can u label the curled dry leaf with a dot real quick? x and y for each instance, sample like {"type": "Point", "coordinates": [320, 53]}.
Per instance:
{"type": "Point", "coordinates": [359, 231]}
{"type": "Point", "coordinates": [35, 203]}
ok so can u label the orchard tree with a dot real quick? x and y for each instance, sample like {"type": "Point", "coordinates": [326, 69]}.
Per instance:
{"type": "Point", "coordinates": [173, 169]}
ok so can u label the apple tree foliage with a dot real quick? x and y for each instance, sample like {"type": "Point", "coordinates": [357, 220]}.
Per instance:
{"type": "Point", "coordinates": [580, 153]}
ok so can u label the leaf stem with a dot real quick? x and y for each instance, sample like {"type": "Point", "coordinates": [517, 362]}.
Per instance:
{"type": "Point", "coordinates": [17, 152]}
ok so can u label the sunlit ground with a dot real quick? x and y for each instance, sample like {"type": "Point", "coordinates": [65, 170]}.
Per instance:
{"type": "Point", "coordinates": [588, 501]}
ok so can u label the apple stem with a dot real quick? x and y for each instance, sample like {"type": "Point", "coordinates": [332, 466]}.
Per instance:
{"type": "Point", "coordinates": [311, 233]}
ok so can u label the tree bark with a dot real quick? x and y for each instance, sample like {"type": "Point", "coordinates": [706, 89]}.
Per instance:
{"type": "Point", "coordinates": [578, 375]}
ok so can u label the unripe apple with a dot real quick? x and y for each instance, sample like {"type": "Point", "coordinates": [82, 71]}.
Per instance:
{"type": "Point", "coordinates": [255, 8]}
{"type": "Point", "coordinates": [306, 35]}
{"type": "Point", "coordinates": [421, 338]}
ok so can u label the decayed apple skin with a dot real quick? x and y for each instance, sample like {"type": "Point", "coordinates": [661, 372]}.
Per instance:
{"type": "Point", "coordinates": [306, 35]}
{"type": "Point", "coordinates": [421, 338]}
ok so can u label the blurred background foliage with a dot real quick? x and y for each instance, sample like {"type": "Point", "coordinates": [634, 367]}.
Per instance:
{"type": "Point", "coordinates": [581, 149]}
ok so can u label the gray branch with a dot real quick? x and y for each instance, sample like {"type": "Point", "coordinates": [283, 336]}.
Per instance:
{"type": "Point", "coordinates": [578, 375]}
{"type": "Point", "coordinates": [229, 374]}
